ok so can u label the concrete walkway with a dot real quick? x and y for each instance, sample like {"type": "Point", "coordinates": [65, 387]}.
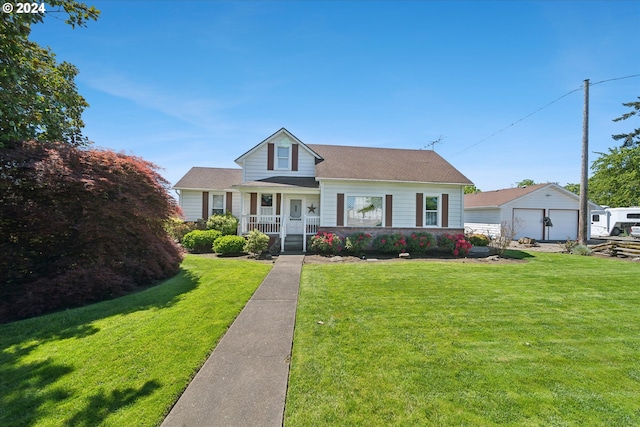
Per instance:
{"type": "Point", "coordinates": [244, 381]}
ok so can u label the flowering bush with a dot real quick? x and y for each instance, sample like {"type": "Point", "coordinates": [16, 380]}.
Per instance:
{"type": "Point", "coordinates": [326, 243]}
{"type": "Point", "coordinates": [420, 242]}
{"type": "Point", "coordinates": [458, 245]}
{"type": "Point", "coordinates": [357, 243]}
{"type": "Point", "coordinates": [390, 243]}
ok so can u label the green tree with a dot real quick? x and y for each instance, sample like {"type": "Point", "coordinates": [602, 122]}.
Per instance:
{"type": "Point", "coordinates": [78, 226]}
{"type": "Point", "coordinates": [38, 96]}
{"type": "Point", "coordinates": [632, 138]}
{"type": "Point", "coordinates": [616, 178]}
{"type": "Point", "coordinates": [574, 188]}
{"type": "Point", "coordinates": [471, 189]}
{"type": "Point", "coordinates": [526, 183]}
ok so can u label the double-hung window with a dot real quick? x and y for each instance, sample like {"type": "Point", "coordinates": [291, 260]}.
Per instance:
{"type": "Point", "coordinates": [283, 157]}
{"type": "Point", "coordinates": [431, 211]}
{"type": "Point", "coordinates": [364, 211]}
{"type": "Point", "coordinates": [266, 204]}
{"type": "Point", "coordinates": [217, 205]}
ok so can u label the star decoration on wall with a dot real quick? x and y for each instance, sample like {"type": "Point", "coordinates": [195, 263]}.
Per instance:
{"type": "Point", "coordinates": [312, 209]}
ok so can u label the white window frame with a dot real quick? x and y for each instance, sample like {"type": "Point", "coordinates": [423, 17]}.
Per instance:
{"type": "Point", "coordinates": [213, 196]}
{"type": "Point", "coordinates": [438, 212]}
{"type": "Point", "coordinates": [382, 208]}
{"type": "Point", "coordinates": [262, 208]}
{"type": "Point", "coordinates": [287, 158]}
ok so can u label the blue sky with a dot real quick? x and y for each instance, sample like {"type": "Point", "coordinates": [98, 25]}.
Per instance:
{"type": "Point", "coordinates": [198, 83]}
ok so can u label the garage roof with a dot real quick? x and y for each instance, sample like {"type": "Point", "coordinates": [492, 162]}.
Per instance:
{"type": "Point", "coordinates": [497, 198]}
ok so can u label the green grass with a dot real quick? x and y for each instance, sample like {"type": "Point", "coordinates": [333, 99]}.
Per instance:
{"type": "Point", "coordinates": [551, 341]}
{"type": "Point", "coordinates": [122, 362]}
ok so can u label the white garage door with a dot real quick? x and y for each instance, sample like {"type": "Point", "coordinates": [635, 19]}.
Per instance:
{"type": "Point", "coordinates": [565, 224]}
{"type": "Point", "coordinates": [528, 223]}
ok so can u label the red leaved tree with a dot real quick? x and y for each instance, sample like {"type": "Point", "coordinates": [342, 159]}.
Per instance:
{"type": "Point", "coordinates": [78, 226]}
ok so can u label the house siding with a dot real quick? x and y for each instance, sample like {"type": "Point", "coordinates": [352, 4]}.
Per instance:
{"type": "Point", "coordinates": [404, 200]}
{"type": "Point", "coordinates": [191, 202]}
{"type": "Point", "coordinates": [255, 164]}
{"type": "Point", "coordinates": [488, 216]}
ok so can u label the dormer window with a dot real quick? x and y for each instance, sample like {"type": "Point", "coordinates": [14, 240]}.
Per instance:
{"type": "Point", "coordinates": [283, 157]}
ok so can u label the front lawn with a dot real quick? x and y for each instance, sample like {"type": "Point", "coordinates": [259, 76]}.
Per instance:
{"type": "Point", "coordinates": [551, 341]}
{"type": "Point", "coordinates": [122, 362]}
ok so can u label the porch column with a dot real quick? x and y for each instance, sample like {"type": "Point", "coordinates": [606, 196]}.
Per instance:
{"type": "Point", "coordinates": [280, 208]}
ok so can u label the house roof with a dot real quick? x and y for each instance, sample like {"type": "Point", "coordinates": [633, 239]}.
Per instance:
{"type": "Point", "coordinates": [209, 178]}
{"type": "Point", "coordinates": [385, 164]}
{"type": "Point", "coordinates": [283, 182]}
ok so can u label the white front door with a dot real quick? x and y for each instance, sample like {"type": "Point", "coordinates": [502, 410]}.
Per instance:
{"type": "Point", "coordinates": [294, 221]}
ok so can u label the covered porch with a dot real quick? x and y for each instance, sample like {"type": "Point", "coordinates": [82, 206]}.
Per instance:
{"type": "Point", "coordinates": [285, 208]}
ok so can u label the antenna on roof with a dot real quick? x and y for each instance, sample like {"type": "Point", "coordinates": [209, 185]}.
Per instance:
{"type": "Point", "coordinates": [433, 143]}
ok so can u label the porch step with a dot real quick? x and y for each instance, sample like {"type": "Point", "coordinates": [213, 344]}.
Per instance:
{"type": "Point", "coordinates": [293, 242]}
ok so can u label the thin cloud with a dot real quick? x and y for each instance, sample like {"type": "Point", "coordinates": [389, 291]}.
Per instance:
{"type": "Point", "coordinates": [204, 113]}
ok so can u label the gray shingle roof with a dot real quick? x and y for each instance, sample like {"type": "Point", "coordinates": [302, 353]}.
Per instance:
{"type": "Point", "coordinates": [342, 162]}
{"type": "Point", "coordinates": [385, 164]}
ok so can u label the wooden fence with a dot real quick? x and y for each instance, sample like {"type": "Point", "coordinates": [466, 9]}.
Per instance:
{"type": "Point", "coordinates": [616, 248]}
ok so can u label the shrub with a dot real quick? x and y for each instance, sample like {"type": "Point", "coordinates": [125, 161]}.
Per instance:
{"type": "Point", "coordinates": [568, 245]}
{"type": "Point", "coordinates": [229, 245]}
{"type": "Point", "coordinates": [257, 242]}
{"type": "Point", "coordinates": [420, 243]}
{"type": "Point", "coordinates": [227, 224]}
{"type": "Point", "coordinates": [581, 250]}
{"type": "Point", "coordinates": [457, 245]}
{"type": "Point", "coordinates": [479, 240]}
{"type": "Point", "coordinates": [77, 226]}
{"type": "Point", "coordinates": [508, 231]}
{"type": "Point", "coordinates": [356, 243]}
{"type": "Point", "coordinates": [177, 228]}
{"type": "Point", "coordinates": [390, 243]}
{"type": "Point", "coordinates": [200, 241]}
{"type": "Point", "coordinates": [326, 243]}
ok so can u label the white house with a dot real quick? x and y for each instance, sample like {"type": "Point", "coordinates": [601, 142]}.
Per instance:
{"type": "Point", "coordinates": [541, 211]}
{"type": "Point", "coordinates": [290, 190]}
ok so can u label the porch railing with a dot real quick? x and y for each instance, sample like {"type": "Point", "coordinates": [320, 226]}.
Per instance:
{"type": "Point", "coordinates": [277, 224]}
{"type": "Point", "coordinates": [311, 224]}
{"type": "Point", "coordinates": [268, 224]}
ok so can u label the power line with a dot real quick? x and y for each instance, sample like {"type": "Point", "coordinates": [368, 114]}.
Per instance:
{"type": "Point", "coordinates": [617, 78]}
{"type": "Point", "coordinates": [538, 110]}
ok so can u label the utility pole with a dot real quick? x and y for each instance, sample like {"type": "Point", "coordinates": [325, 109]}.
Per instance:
{"type": "Point", "coordinates": [583, 220]}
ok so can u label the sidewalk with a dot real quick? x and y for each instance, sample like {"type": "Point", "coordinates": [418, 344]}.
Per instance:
{"type": "Point", "coordinates": [244, 381]}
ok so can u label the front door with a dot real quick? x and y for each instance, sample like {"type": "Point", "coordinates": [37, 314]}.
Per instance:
{"type": "Point", "coordinates": [294, 225]}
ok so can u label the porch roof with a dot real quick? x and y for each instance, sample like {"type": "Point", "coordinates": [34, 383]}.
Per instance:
{"type": "Point", "coordinates": [282, 182]}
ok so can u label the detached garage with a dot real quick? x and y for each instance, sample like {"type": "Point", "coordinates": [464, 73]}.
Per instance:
{"type": "Point", "coordinates": [541, 211]}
